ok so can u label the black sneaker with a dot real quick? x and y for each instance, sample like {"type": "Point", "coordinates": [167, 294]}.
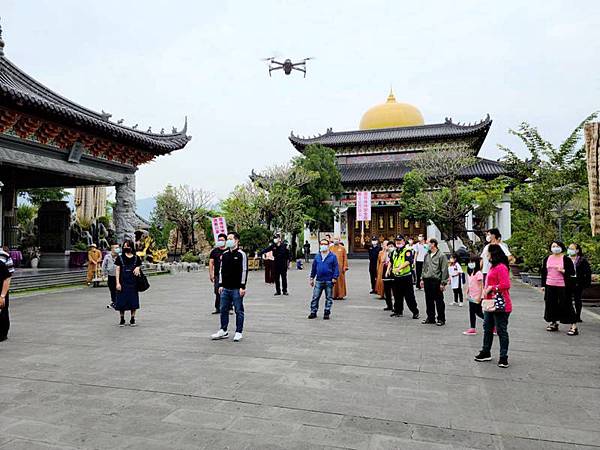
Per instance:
{"type": "Point", "coordinates": [216, 311]}
{"type": "Point", "coordinates": [428, 322]}
{"type": "Point", "coordinates": [132, 322]}
{"type": "Point", "coordinates": [440, 323]}
{"type": "Point", "coordinates": [277, 293]}
{"type": "Point", "coordinates": [483, 356]}
{"type": "Point", "coordinates": [503, 362]}
{"type": "Point", "coordinates": [312, 316]}
{"type": "Point", "coordinates": [122, 322]}
{"type": "Point", "coordinates": [416, 316]}
{"type": "Point", "coordinates": [387, 309]}
{"type": "Point", "coordinates": [394, 315]}
{"type": "Point", "coordinates": [326, 316]}
{"type": "Point", "coordinates": [372, 292]}
{"type": "Point", "coordinates": [286, 293]}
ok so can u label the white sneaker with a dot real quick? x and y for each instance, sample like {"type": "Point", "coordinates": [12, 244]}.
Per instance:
{"type": "Point", "coordinates": [454, 303]}
{"type": "Point", "coordinates": [460, 304]}
{"type": "Point", "coordinates": [221, 334]}
{"type": "Point", "coordinates": [237, 337]}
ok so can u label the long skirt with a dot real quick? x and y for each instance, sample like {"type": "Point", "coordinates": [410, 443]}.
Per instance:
{"type": "Point", "coordinates": [339, 288]}
{"type": "Point", "coordinates": [559, 305]}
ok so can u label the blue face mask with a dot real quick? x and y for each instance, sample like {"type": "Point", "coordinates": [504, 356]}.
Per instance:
{"type": "Point", "coordinates": [230, 243]}
{"type": "Point", "coordinates": [220, 244]}
{"type": "Point", "coordinates": [426, 247]}
{"type": "Point", "coordinates": [324, 248]}
{"type": "Point", "coordinates": [118, 250]}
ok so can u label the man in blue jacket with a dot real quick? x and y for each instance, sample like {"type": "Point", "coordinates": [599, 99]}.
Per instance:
{"type": "Point", "coordinates": [323, 276]}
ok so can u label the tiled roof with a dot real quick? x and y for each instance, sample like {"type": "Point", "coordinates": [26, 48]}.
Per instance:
{"type": "Point", "coordinates": [448, 129]}
{"type": "Point", "coordinates": [395, 171]}
{"type": "Point", "coordinates": [20, 90]}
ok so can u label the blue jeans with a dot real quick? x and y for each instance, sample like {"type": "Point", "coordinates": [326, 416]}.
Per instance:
{"type": "Point", "coordinates": [228, 297]}
{"type": "Point", "coordinates": [321, 286]}
{"type": "Point", "coordinates": [500, 321]}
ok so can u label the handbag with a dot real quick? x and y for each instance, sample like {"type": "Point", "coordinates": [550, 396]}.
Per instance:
{"type": "Point", "coordinates": [495, 304]}
{"type": "Point", "coordinates": [141, 282]}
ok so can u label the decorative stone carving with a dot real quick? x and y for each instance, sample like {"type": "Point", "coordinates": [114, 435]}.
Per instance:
{"type": "Point", "coordinates": [124, 214]}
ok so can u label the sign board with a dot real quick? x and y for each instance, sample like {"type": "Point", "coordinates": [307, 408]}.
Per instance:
{"type": "Point", "coordinates": [219, 225]}
{"type": "Point", "coordinates": [76, 152]}
{"type": "Point", "coordinates": [363, 206]}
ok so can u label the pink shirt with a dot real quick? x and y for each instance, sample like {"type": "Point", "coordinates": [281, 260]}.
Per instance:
{"type": "Point", "coordinates": [475, 286]}
{"type": "Point", "coordinates": [554, 264]}
{"type": "Point", "coordinates": [498, 277]}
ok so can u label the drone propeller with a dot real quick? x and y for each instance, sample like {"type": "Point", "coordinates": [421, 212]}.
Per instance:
{"type": "Point", "coordinates": [267, 59]}
{"type": "Point", "coordinates": [309, 58]}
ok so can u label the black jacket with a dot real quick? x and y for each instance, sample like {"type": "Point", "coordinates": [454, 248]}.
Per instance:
{"type": "Point", "coordinates": [583, 273]}
{"type": "Point", "coordinates": [374, 254]}
{"type": "Point", "coordinates": [569, 270]}
{"type": "Point", "coordinates": [280, 253]}
{"type": "Point", "coordinates": [234, 270]}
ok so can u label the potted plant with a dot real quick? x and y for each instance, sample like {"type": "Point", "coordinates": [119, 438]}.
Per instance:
{"type": "Point", "coordinates": [525, 277]}
{"type": "Point", "coordinates": [33, 254]}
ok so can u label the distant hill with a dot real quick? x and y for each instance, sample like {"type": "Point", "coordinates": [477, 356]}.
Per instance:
{"type": "Point", "coordinates": [145, 206]}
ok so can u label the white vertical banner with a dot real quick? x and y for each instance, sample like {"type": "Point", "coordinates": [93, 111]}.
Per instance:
{"type": "Point", "coordinates": [363, 206]}
{"type": "Point", "coordinates": [219, 225]}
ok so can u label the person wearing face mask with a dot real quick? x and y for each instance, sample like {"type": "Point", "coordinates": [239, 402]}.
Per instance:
{"type": "Point", "coordinates": [323, 276]}
{"type": "Point", "coordinates": [493, 237]}
{"type": "Point", "coordinates": [474, 293]}
{"type": "Point", "coordinates": [109, 269]}
{"type": "Point", "coordinates": [233, 277]}
{"type": "Point", "coordinates": [557, 272]}
{"type": "Point", "coordinates": [582, 278]}
{"type": "Point", "coordinates": [381, 257]}
{"type": "Point", "coordinates": [214, 265]}
{"type": "Point", "coordinates": [281, 258]}
{"type": "Point", "coordinates": [419, 254]}
{"type": "Point", "coordinates": [374, 250]}
{"type": "Point", "coordinates": [435, 278]}
{"type": "Point", "coordinates": [388, 278]}
{"type": "Point", "coordinates": [127, 268]}
{"type": "Point", "coordinates": [339, 289]}
{"type": "Point", "coordinates": [401, 271]}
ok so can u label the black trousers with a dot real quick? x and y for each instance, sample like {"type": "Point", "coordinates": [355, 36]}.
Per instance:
{"type": "Point", "coordinates": [577, 292]}
{"type": "Point", "coordinates": [387, 289]}
{"type": "Point", "coordinates": [4, 320]}
{"type": "Point", "coordinates": [419, 270]}
{"type": "Point", "coordinates": [559, 305]}
{"type": "Point", "coordinates": [404, 291]}
{"type": "Point", "coordinates": [373, 274]}
{"type": "Point", "coordinates": [217, 296]}
{"type": "Point", "coordinates": [434, 300]}
{"type": "Point", "coordinates": [474, 312]}
{"type": "Point", "coordinates": [112, 287]}
{"type": "Point", "coordinates": [280, 274]}
{"type": "Point", "coordinates": [458, 295]}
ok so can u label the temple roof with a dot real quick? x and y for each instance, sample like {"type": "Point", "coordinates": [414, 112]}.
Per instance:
{"type": "Point", "coordinates": [22, 92]}
{"type": "Point", "coordinates": [446, 130]}
{"type": "Point", "coordinates": [395, 171]}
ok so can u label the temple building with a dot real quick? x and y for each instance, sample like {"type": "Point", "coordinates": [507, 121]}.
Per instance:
{"type": "Point", "coordinates": [47, 140]}
{"type": "Point", "coordinates": [377, 156]}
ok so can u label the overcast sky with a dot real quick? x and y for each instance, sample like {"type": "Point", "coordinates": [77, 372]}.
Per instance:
{"type": "Point", "coordinates": [152, 62]}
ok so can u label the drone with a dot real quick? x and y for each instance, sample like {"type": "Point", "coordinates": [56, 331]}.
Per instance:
{"type": "Point", "coordinates": [287, 65]}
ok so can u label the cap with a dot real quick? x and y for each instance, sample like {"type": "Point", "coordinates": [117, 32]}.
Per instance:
{"type": "Point", "coordinates": [92, 245]}
{"type": "Point", "coordinates": [399, 238]}
{"type": "Point", "coordinates": [374, 238]}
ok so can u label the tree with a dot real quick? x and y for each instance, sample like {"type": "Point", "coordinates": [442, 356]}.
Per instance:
{"type": "Point", "coordinates": [242, 209]}
{"type": "Point", "coordinates": [321, 161]}
{"type": "Point", "coordinates": [37, 196]}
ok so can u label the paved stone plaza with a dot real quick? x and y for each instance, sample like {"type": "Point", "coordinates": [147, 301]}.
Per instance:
{"type": "Point", "coordinates": [71, 378]}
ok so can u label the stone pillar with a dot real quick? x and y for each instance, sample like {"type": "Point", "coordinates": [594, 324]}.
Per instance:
{"type": "Point", "coordinates": [124, 213]}
{"type": "Point", "coordinates": [504, 217]}
{"type": "Point", "coordinates": [469, 225]}
{"type": "Point", "coordinates": [592, 149]}
{"type": "Point", "coordinates": [337, 225]}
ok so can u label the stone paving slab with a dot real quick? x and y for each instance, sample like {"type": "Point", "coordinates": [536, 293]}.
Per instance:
{"type": "Point", "coordinates": [71, 378]}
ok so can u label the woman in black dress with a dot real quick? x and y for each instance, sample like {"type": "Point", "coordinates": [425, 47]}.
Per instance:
{"type": "Point", "coordinates": [128, 268]}
{"type": "Point", "coordinates": [582, 278]}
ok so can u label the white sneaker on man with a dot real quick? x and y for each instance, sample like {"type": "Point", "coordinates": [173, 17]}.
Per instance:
{"type": "Point", "coordinates": [221, 334]}
{"type": "Point", "coordinates": [237, 337]}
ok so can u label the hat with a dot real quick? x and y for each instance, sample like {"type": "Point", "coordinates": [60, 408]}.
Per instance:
{"type": "Point", "coordinates": [374, 238]}
{"type": "Point", "coordinates": [92, 245]}
{"type": "Point", "coordinates": [399, 238]}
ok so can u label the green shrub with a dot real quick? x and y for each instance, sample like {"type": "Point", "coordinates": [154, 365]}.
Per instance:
{"type": "Point", "coordinates": [189, 257]}
{"type": "Point", "coordinates": [254, 239]}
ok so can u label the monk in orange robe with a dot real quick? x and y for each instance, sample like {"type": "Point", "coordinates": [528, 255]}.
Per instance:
{"type": "Point", "coordinates": [339, 288]}
{"type": "Point", "coordinates": [379, 289]}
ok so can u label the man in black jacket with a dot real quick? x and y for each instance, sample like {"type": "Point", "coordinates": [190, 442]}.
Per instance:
{"type": "Point", "coordinates": [374, 250]}
{"type": "Point", "coordinates": [281, 254]}
{"type": "Point", "coordinates": [233, 275]}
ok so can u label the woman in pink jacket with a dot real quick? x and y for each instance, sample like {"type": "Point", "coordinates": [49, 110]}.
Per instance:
{"type": "Point", "coordinates": [498, 280]}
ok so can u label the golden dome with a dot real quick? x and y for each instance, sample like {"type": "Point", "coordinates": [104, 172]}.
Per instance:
{"type": "Point", "coordinates": [391, 114]}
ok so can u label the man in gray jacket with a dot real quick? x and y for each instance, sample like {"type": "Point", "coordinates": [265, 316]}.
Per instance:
{"type": "Point", "coordinates": [434, 280]}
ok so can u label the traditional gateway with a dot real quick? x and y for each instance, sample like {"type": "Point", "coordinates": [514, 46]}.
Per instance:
{"type": "Point", "coordinates": [376, 157]}
{"type": "Point", "coordinates": [49, 141]}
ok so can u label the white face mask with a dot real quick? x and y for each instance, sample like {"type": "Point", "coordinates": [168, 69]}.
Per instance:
{"type": "Point", "coordinates": [471, 265]}
{"type": "Point", "coordinates": [571, 251]}
{"type": "Point", "coordinates": [488, 238]}
{"type": "Point", "coordinates": [220, 244]}
{"type": "Point", "coordinates": [556, 250]}
{"type": "Point", "coordinates": [374, 243]}
{"type": "Point", "coordinates": [324, 247]}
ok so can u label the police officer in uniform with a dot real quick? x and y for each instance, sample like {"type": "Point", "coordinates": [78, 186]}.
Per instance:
{"type": "Point", "coordinates": [374, 250]}
{"type": "Point", "coordinates": [402, 287]}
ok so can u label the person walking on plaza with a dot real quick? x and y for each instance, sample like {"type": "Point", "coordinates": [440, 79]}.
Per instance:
{"type": "Point", "coordinates": [456, 279]}
{"type": "Point", "coordinates": [323, 276]}
{"type": "Point", "coordinates": [281, 257]}
{"type": "Point", "coordinates": [233, 276]}
{"type": "Point", "coordinates": [94, 261]}
{"type": "Point", "coordinates": [493, 237]}
{"type": "Point", "coordinates": [306, 249]}
{"type": "Point", "coordinates": [214, 264]}
{"type": "Point", "coordinates": [497, 284]}
{"type": "Point", "coordinates": [582, 278]}
{"type": "Point", "coordinates": [381, 257]}
{"type": "Point", "coordinates": [434, 280]}
{"type": "Point", "coordinates": [6, 271]}
{"type": "Point", "coordinates": [128, 268]}
{"type": "Point", "coordinates": [402, 285]}
{"type": "Point", "coordinates": [474, 293]}
{"type": "Point", "coordinates": [388, 278]}
{"type": "Point", "coordinates": [557, 274]}
{"type": "Point", "coordinates": [374, 250]}
{"type": "Point", "coordinates": [339, 289]}
{"type": "Point", "coordinates": [109, 269]}
{"type": "Point", "coordinates": [419, 255]}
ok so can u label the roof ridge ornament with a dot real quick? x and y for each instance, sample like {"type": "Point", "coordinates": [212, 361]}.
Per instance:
{"type": "Point", "coordinates": [1, 42]}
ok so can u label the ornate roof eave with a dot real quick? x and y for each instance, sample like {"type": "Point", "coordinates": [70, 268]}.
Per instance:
{"type": "Point", "coordinates": [22, 92]}
{"type": "Point", "coordinates": [446, 130]}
